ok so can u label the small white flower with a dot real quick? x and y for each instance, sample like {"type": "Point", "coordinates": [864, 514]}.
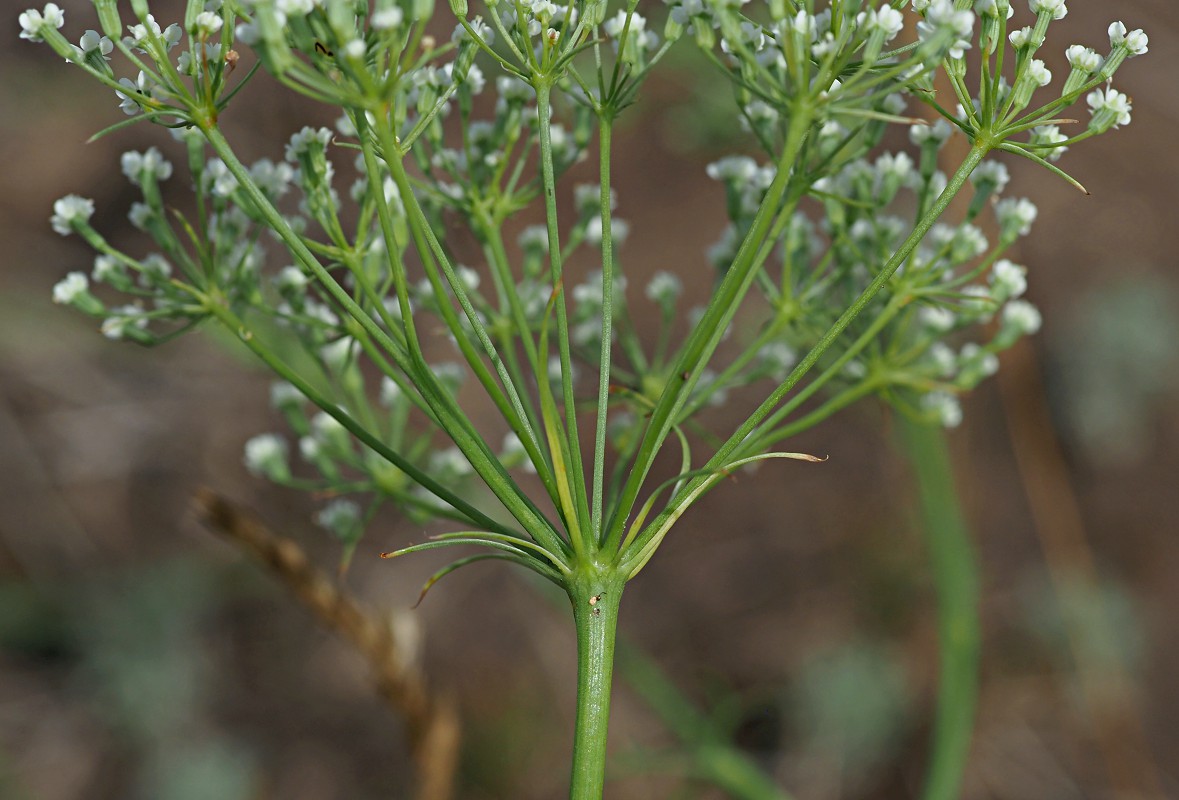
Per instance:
{"type": "Point", "coordinates": [616, 24]}
{"type": "Point", "coordinates": [1083, 58]}
{"type": "Point", "coordinates": [1110, 108]}
{"type": "Point", "coordinates": [69, 211]}
{"type": "Point", "coordinates": [295, 8]}
{"type": "Point", "coordinates": [70, 288]}
{"type": "Point", "coordinates": [942, 18]}
{"type": "Point", "coordinates": [450, 463]}
{"type": "Point", "coordinates": [886, 19]}
{"type": "Point", "coordinates": [895, 166]}
{"type": "Point", "coordinates": [1015, 216]}
{"type": "Point", "coordinates": [94, 42]}
{"type": "Point", "coordinates": [329, 430]}
{"type": "Point", "coordinates": [468, 278]}
{"type": "Point", "coordinates": [138, 165]}
{"type": "Point", "coordinates": [992, 8]}
{"type": "Point", "coordinates": [218, 178]}
{"type": "Point", "coordinates": [107, 269]}
{"type": "Point", "coordinates": [306, 140]}
{"type": "Point", "coordinates": [619, 230]}
{"type": "Point", "coordinates": [938, 132]}
{"type": "Point", "coordinates": [1054, 7]}
{"type": "Point", "coordinates": [156, 270]}
{"type": "Point", "coordinates": [336, 354]}
{"type": "Point", "coordinates": [1021, 38]}
{"type": "Point", "coordinates": [993, 174]}
{"type": "Point", "coordinates": [1021, 316]}
{"type": "Point", "coordinates": [664, 288]}
{"type": "Point", "coordinates": [341, 517]}
{"type": "Point", "coordinates": [33, 22]}
{"type": "Point", "coordinates": [978, 302]}
{"type": "Point", "coordinates": [310, 449]}
{"type": "Point", "coordinates": [534, 237]}
{"type": "Point", "coordinates": [778, 358]}
{"type": "Point", "coordinates": [124, 321]}
{"type": "Point", "coordinates": [1008, 279]}
{"type": "Point", "coordinates": [1038, 73]}
{"type": "Point", "coordinates": [1049, 136]}
{"type": "Point", "coordinates": [140, 215]}
{"type": "Point", "coordinates": [284, 395]}
{"type": "Point", "coordinates": [944, 407]}
{"type": "Point", "coordinates": [387, 18]}
{"type": "Point", "coordinates": [247, 33]}
{"type": "Point", "coordinates": [973, 359]}
{"type": "Point", "coordinates": [943, 359]}
{"type": "Point", "coordinates": [136, 93]}
{"type": "Point", "coordinates": [266, 457]}
{"type": "Point", "coordinates": [587, 198]}
{"type": "Point", "coordinates": [140, 34]}
{"type": "Point", "coordinates": [1135, 41]}
{"type": "Point", "coordinates": [936, 318]}
{"type": "Point", "coordinates": [207, 23]}
{"type": "Point", "coordinates": [732, 168]}
{"type": "Point", "coordinates": [291, 279]}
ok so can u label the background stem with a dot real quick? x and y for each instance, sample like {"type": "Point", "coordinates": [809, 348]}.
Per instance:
{"type": "Point", "coordinates": [955, 574]}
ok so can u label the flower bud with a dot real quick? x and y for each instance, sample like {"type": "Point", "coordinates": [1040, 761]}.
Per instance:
{"type": "Point", "coordinates": [108, 17]}
{"type": "Point", "coordinates": [595, 12]}
{"type": "Point", "coordinates": [459, 8]}
{"type": "Point", "coordinates": [421, 10]}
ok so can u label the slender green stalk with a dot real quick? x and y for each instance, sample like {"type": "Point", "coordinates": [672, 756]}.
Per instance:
{"type": "Point", "coordinates": [575, 476]}
{"type": "Point", "coordinates": [604, 130]}
{"type": "Point", "coordinates": [595, 594]}
{"type": "Point", "coordinates": [955, 574]}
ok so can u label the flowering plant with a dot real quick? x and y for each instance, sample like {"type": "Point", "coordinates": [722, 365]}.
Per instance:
{"type": "Point", "coordinates": [866, 289]}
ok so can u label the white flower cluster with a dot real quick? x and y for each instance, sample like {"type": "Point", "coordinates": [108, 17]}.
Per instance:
{"type": "Point", "coordinates": [150, 165]}
{"type": "Point", "coordinates": [33, 23]}
{"type": "Point", "coordinates": [943, 21]}
{"type": "Point", "coordinates": [71, 211]}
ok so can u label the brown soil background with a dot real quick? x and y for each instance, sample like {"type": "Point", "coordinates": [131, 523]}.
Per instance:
{"type": "Point", "coordinates": [134, 643]}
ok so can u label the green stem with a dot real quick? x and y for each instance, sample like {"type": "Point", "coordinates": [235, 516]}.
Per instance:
{"type": "Point", "coordinates": [955, 574]}
{"type": "Point", "coordinates": [604, 130]}
{"type": "Point", "coordinates": [595, 595]}
{"type": "Point", "coordinates": [575, 476]}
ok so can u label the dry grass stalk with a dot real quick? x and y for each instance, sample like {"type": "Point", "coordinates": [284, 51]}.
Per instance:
{"type": "Point", "coordinates": [431, 721]}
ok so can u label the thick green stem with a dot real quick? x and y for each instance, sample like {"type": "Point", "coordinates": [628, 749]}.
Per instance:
{"type": "Point", "coordinates": [595, 595]}
{"type": "Point", "coordinates": [955, 575]}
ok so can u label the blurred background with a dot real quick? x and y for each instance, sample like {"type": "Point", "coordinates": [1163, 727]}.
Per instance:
{"type": "Point", "coordinates": [141, 656]}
